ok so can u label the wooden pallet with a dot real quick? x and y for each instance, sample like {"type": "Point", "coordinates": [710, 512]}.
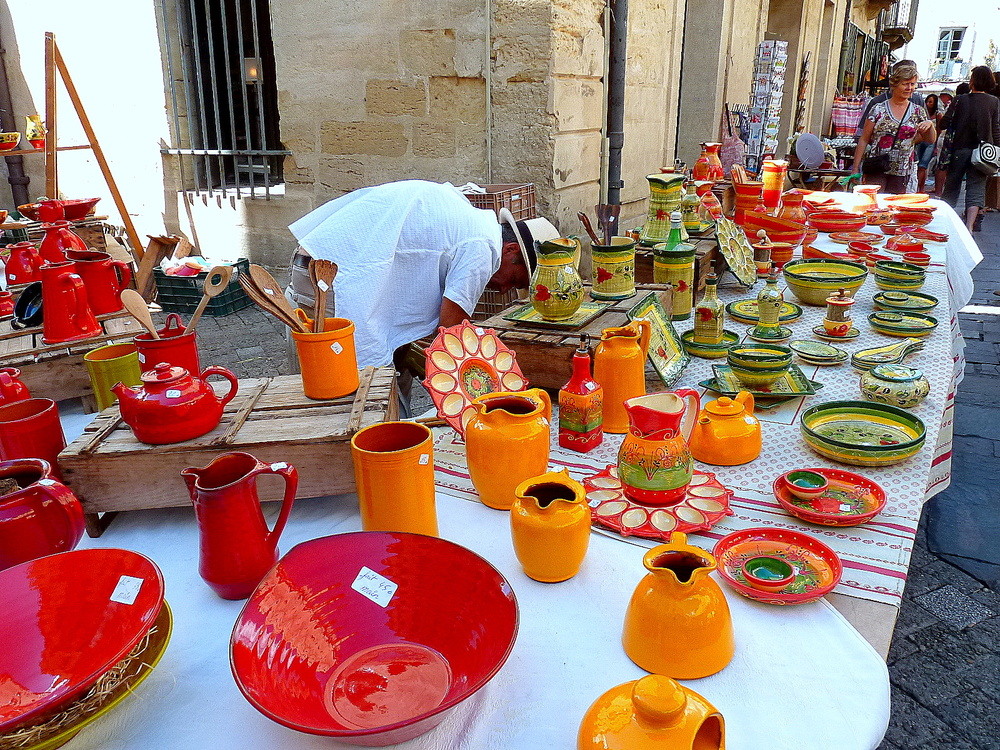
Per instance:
{"type": "Point", "coordinates": [270, 418]}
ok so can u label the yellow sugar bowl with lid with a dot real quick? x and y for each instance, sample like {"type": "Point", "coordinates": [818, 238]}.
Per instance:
{"type": "Point", "coordinates": [726, 432]}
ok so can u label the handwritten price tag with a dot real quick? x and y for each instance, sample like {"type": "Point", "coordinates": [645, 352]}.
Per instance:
{"type": "Point", "coordinates": [376, 587]}
{"type": "Point", "coordinates": [337, 348]}
{"type": "Point", "coordinates": [127, 590]}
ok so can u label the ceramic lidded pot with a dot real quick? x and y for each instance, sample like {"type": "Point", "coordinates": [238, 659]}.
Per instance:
{"type": "Point", "coordinates": [652, 713]}
{"type": "Point", "coordinates": [620, 369]}
{"type": "Point", "coordinates": [556, 286]}
{"type": "Point", "coordinates": [507, 442]}
{"type": "Point", "coordinates": [727, 433]}
{"type": "Point", "coordinates": [172, 405]}
{"type": "Point", "coordinates": [550, 526]}
{"type": "Point", "coordinates": [895, 385]}
{"type": "Point", "coordinates": [838, 314]}
{"type": "Point", "coordinates": [678, 622]}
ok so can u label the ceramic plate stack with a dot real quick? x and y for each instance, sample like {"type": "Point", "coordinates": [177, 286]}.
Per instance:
{"type": "Point", "coordinates": [815, 353]}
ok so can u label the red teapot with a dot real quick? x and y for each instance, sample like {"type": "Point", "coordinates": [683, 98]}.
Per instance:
{"type": "Point", "coordinates": [172, 405]}
{"type": "Point", "coordinates": [39, 518]}
{"type": "Point", "coordinates": [11, 387]}
{"type": "Point", "coordinates": [57, 240]}
{"type": "Point", "coordinates": [23, 263]}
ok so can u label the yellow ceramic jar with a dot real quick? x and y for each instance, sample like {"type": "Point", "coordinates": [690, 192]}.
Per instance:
{"type": "Point", "coordinates": [620, 368]}
{"type": "Point", "coordinates": [550, 526]}
{"type": "Point", "coordinates": [506, 442]}
{"type": "Point", "coordinates": [678, 622]}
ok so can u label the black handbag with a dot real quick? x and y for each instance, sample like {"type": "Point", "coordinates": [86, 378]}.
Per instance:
{"type": "Point", "coordinates": [880, 164]}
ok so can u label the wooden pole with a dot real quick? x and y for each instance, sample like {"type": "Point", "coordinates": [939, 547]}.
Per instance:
{"type": "Point", "coordinates": [51, 181]}
{"type": "Point", "coordinates": [133, 236]}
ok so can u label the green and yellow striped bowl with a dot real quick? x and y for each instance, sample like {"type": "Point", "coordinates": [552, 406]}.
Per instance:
{"type": "Point", "coordinates": [812, 280]}
{"type": "Point", "coordinates": [862, 433]}
{"type": "Point", "coordinates": [903, 323]}
{"type": "Point", "coordinates": [759, 364]}
{"type": "Point", "coordinates": [898, 285]}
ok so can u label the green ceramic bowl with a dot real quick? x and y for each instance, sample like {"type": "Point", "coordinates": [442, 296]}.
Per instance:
{"type": "Point", "coordinates": [899, 323]}
{"type": "Point", "coordinates": [898, 285]}
{"type": "Point", "coordinates": [706, 351]}
{"type": "Point", "coordinates": [862, 433]}
{"type": "Point", "coordinates": [812, 280]}
{"type": "Point", "coordinates": [759, 364]}
{"type": "Point", "coordinates": [904, 301]}
{"type": "Point", "coordinates": [894, 269]}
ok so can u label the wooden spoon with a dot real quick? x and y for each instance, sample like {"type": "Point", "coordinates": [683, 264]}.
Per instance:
{"type": "Point", "coordinates": [322, 272]}
{"type": "Point", "coordinates": [585, 220]}
{"type": "Point", "coordinates": [272, 292]}
{"type": "Point", "coordinates": [264, 303]}
{"type": "Point", "coordinates": [215, 284]}
{"type": "Point", "coordinates": [136, 306]}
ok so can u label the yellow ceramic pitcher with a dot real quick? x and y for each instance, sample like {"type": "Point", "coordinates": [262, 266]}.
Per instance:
{"type": "Point", "coordinates": [550, 526]}
{"type": "Point", "coordinates": [506, 442]}
{"type": "Point", "coordinates": [620, 368]}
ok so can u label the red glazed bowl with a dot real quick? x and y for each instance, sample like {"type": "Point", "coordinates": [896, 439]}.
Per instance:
{"type": "Point", "coordinates": [372, 637]}
{"type": "Point", "coordinates": [66, 620]}
{"type": "Point", "coordinates": [837, 221]}
{"type": "Point", "coordinates": [778, 230]}
{"type": "Point", "coordinates": [913, 218]}
{"type": "Point", "coordinates": [917, 259]}
{"type": "Point", "coordinates": [77, 209]}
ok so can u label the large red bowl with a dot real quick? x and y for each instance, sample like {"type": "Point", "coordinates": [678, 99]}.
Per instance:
{"type": "Point", "coordinates": [78, 208]}
{"type": "Point", "coordinates": [65, 620]}
{"type": "Point", "coordinates": [836, 221]}
{"type": "Point", "coordinates": [778, 229]}
{"type": "Point", "coordinates": [371, 637]}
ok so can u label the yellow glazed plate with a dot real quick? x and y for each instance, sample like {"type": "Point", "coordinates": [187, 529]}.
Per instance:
{"type": "Point", "coordinates": [527, 315]}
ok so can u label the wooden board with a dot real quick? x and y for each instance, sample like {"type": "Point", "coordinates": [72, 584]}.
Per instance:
{"type": "Point", "coordinates": [706, 255]}
{"type": "Point", "coordinates": [110, 470]}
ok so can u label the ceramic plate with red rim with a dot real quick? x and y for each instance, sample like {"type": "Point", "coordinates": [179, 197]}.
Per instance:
{"type": "Point", "coordinates": [464, 362]}
{"type": "Point", "coordinates": [846, 238]}
{"type": "Point", "coordinates": [817, 567]}
{"type": "Point", "coordinates": [66, 620]}
{"type": "Point", "coordinates": [704, 504]}
{"type": "Point", "coordinates": [926, 235]}
{"type": "Point", "coordinates": [907, 198]}
{"type": "Point", "coordinates": [850, 499]}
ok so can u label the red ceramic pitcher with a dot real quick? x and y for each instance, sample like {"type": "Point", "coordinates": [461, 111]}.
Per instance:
{"type": "Point", "coordinates": [57, 240]}
{"type": "Point", "coordinates": [39, 518]}
{"type": "Point", "coordinates": [6, 305]}
{"type": "Point", "coordinates": [68, 316]}
{"type": "Point", "coordinates": [176, 345]}
{"type": "Point", "coordinates": [104, 278]}
{"type": "Point", "coordinates": [11, 387]}
{"type": "Point", "coordinates": [23, 263]}
{"type": "Point", "coordinates": [237, 549]}
{"type": "Point", "coordinates": [31, 429]}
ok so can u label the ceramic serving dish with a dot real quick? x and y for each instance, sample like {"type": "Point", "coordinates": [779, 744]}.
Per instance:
{"type": "Point", "coordinates": [897, 285]}
{"type": "Point", "coordinates": [848, 500]}
{"type": "Point", "coordinates": [372, 637]}
{"type": "Point", "coordinates": [790, 384]}
{"type": "Point", "coordinates": [866, 359]}
{"type": "Point", "coordinates": [745, 311]}
{"type": "Point", "coordinates": [903, 323]}
{"type": "Point", "coordinates": [837, 221]}
{"type": "Point", "coordinates": [805, 484]}
{"type": "Point", "coordinates": [915, 199]}
{"type": "Point", "coordinates": [862, 433]}
{"type": "Point", "coordinates": [709, 351]}
{"type": "Point", "coordinates": [77, 209]}
{"type": "Point", "coordinates": [777, 229]}
{"type": "Point", "coordinates": [904, 301]}
{"type": "Point", "coordinates": [893, 269]}
{"type": "Point", "coordinates": [67, 619]}
{"type": "Point", "coordinates": [812, 281]}
{"type": "Point", "coordinates": [922, 260]}
{"type": "Point", "coordinates": [816, 567]}
{"type": "Point", "coordinates": [815, 352]}
{"type": "Point", "coordinates": [821, 333]}
{"type": "Point", "coordinates": [913, 218]}
{"type": "Point", "coordinates": [846, 238]}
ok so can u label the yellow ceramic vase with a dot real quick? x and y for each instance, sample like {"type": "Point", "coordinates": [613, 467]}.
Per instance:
{"type": "Point", "coordinates": [653, 713]}
{"type": "Point", "coordinates": [507, 442]}
{"type": "Point", "coordinates": [550, 526]}
{"type": "Point", "coordinates": [620, 368]}
{"type": "Point", "coordinates": [678, 622]}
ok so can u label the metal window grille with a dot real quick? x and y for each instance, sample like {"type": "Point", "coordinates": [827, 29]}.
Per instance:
{"type": "Point", "coordinates": [223, 98]}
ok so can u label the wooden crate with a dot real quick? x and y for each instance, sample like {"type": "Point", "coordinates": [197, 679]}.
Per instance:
{"type": "Point", "coordinates": [270, 418]}
{"type": "Point", "coordinates": [545, 355]}
{"type": "Point", "coordinates": [706, 256]}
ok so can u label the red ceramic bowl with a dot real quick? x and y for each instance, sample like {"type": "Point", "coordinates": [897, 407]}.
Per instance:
{"type": "Point", "coordinates": [66, 620]}
{"type": "Point", "coordinates": [860, 248]}
{"type": "Point", "coordinates": [371, 637]}
{"type": "Point", "coordinates": [79, 208]}
{"type": "Point", "coordinates": [913, 218]}
{"type": "Point", "coordinates": [917, 259]}
{"type": "Point", "coordinates": [29, 211]}
{"type": "Point", "coordinates": [778, 230]}
{"type": "Point", "coordinates": [837, 221]}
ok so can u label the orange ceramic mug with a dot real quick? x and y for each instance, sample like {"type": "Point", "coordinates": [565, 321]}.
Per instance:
{"type": "Point", "coordinates": [327, 360]}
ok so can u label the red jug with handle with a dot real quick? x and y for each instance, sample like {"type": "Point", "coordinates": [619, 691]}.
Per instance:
{"type": "Point", "coordinates": [41, 517]}
{"type": "Point", "coordinates": [68, 316]}
{"type": "Point", "coordinates": [11, 387]}
{"type": "Point", "coordinates": [58, 239]}
{"type": "Point", "coordinates": [104, 278]}
{"type": "Point", "coordinates": [23, 263]}
{"type": "Point", "coordinates": [237, 549]}
{"type": "Point", "coordinates": [6, 305]}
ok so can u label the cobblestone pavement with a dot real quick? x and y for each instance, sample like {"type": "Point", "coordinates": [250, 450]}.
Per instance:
{"type": "Point", "coordinates": [945, 658]}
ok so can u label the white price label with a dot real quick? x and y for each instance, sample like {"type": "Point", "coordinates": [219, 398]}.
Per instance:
{"type": "Point", "coordinates": [269, 291]}
{"type": "Point", "coordinates": [425, 459]}
{"type": "Point", "coordinates": [337, 348]}
{"type": "Point", "coordinates": [127, 590]}
{"type": "Point", "coordinates": [376, 587]}
{"type": "Point", "coordinates": [479, 331]}
{"type": "Point", "coordinates": [173, 393]}
{"type": "Point", "coordinates": [593, 503]}
{"type": "Point", "coordinates": [279, 466]}
{"type": "Point", "coordinates": [142, 357]}
{"type": "Point", "coordinates": [323, 285]}
{"type": "Point", "coordinates": [46, 482]}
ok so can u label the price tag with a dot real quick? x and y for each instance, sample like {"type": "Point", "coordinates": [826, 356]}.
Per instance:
{"type": "Point", "coordinates": [269, 291]}
{"type": "Point", "coordinates": [142, 357]}
{"type": "Point", "coordinates": [424, 459]}
{"type": "Point", "coordinates": [279, 466]}
{"type": "Point", "coordinates": [127, 590]}
{"type": "Point", "coordinates": [376, 587]}
{"type": "Point", "coordinates": [593, 503]}
{"type": "Point", "coordinates": [337, 348]}
{"type": "Point", "coordinates": [323, 285]}
{"type": "Point", "coordinates": [46, 482]}
{"type": "Point", "coordinates": [173, 393]}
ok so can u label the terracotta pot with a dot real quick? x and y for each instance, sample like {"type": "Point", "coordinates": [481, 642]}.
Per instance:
{"type": "Point", "coordinates": [68, 316]}
{"type": "Point", "coordinates": [620, 369]}
{"type": "Point", "coordinates": [237, 549]}
{"type": "Point", "coordinates": [550, 526]}
{"type": "Point", "coordinates": [31, 429]}
{"type": "Point", "coordinates": [678, 622]}
{"type": "Point", "coordinates": [57, 240]}
{"type": "Point", "coordinates": [11, 387]}
{"type": "Point", "coordinates": [327, 360]}
{"type": "Point", "coordinates": [104, 278]}
{"type": "Point", "coordinates": [23, 264]}
{"type": "Point", "coordinates": [41, 517]}
{"type": "Point", "coordinates": [506, 442]}
{"type": "Point", "coordinates": [394, 473]}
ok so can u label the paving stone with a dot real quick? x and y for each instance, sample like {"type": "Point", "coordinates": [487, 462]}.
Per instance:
{"type": "Point", "coordinates": [981, 351]}
{"type": "Point", "coordinates": [951, 649]}
{"type": "Point", "coordinates": [977, 421]}
{"type": "Point", "coordinates": [250, 352]}
{"type": "Point", "coordinates": [974, 716]}
{"type": "Point", "coordinates": [957, 609]}
{"type": "Point", "coordinates": [912, 619]}
{"type": "Point", "coordinates": [911, 724]}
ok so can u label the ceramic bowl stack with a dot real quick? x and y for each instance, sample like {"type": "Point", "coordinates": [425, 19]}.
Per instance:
{"type": "Point", "coordinates": [904, 302]}
{"type": "Point", "coordinates": [817, 353]}
{"type": "Point", "coordinates": [837, 221]}
{"type": "Point", "coordinates": [894, 276]}
{"type": "Point", "coordinates": [813, 280]}
{"type": "Point", "coordinates": [862, 433]}
{"type": "Point", "coordinates": [908, 324]}
{"type": "Point", "coordinates": [777, 229]}
{"type": "Point", "coordinates": [759, 364]}
{"type": "Point", "coordinates": [709, 351]}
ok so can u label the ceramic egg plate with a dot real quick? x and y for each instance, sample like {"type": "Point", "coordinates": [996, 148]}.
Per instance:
{"type": "Point", "coordinates": [735, 248]}
{"type": "Point", "coordinates": [704, 504]}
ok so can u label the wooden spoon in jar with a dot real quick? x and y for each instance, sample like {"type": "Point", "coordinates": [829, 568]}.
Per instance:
{"type": "Point", "coordinates": [215, 284]}
{"type": "Point", "coordinates": [136, 307]}
{"type": "Point", "coordinates": [322, 272]}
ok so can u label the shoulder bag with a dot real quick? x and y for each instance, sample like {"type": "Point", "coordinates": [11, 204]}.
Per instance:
{"type": "Point", "coordinates": [986, 158]}
{"type": "Point", "coordinates": [880, 163]}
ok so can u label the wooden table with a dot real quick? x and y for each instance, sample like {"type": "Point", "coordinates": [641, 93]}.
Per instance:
{"type": "Point", "coordinates": [271, 418]}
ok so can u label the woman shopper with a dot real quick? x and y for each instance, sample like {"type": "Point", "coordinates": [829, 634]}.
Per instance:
{"type": "Point", "coordinates": [885, 150]}
{"type": "Point", "coordinates": [925, 151]}
{"type": "Point", "coordinates": [943, 145]}
{"type": "Point", "coordinates": [975, 118]}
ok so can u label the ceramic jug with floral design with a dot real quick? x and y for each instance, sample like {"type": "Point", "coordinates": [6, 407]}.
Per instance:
{"type": "Point", "coordinates": [556, 286]}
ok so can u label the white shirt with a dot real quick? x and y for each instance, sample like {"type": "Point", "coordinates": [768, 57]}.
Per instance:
{"type": "Point", "coordinates": [400, 248]}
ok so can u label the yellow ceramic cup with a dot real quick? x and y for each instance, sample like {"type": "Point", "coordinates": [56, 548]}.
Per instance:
{"type": "Point", "coordinates": [111, 364]}
{"type": "Point", "coordinates": [327, 360]}
{"type": "Point", "coordinates": [394, 473]}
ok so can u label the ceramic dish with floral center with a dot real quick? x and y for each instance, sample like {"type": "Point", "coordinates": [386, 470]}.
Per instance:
{"type": "Point", "coordinates": [849, 499]}
{"type": "Point", "coordinates": [816, 567]}
{"type": "Point", "coordinates": [704, 504]}
{"type": "Point", "coordinates": [463, 363]}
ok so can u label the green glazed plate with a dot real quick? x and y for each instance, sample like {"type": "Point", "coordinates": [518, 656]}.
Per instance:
{"type": "Point", "coordinates": [792, 383]}
{"type": "Point", "coordinates": [910, 324]}
{"type": "Point", "coordinates": [814, 350]}
{"type": "Point", "coordinates": [915, 303]}
{"type": "Point", "coordinates": [666, 351]}
{"type": "Point", "coordinates": [527, 315]}
{"type": "Point", "coordinates": [745, 311]}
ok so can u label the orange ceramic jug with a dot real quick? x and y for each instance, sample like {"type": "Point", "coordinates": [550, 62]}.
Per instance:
{"type": "Point", "coordinates": [550, 526]}
{"type": "Point", "coordinates": [727, 433]}
{"type": "Point", "coordinates": [620, 368]}
{"type": "Point", "coordinates": [652, 713]}
{"type": "Point", "coordinates": [506, 442]}
{"type": "Point", "coordinates": [678, 622]}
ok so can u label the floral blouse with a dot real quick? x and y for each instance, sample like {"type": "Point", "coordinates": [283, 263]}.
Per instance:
{"type": "Point", "coordinates": [900, 154]}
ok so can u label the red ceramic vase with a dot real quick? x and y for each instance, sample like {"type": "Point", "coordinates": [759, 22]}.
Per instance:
{"type": "Point", "coordinates": [57, 240]}
{"type": "Point", "coordinates": [68, 316]}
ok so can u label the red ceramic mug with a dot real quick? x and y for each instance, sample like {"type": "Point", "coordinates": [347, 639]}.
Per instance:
{"type": "Point", "coordinates": [31, 429]}
{"type": "Point", "coordinates": [11, 387]}
{"type": "Point", "coordinates": [41, 517]}
{"type": "Point", "coordinates": [176, 346]}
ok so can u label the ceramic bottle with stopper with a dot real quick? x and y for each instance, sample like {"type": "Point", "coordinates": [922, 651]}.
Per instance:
{"type": "Point", "coordinates": [709, 315]}
{"type": "Point", "coordinates": [769, 303]}
{"type": "Point", "coordinates": [690, 210]}
{"type": "Point", "coordinates": [581, 404]}
{"type": "Point", "coordinates": [673, 263]}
